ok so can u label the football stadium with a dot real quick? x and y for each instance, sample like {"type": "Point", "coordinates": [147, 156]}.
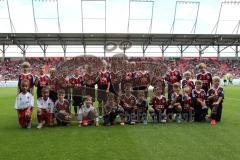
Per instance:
{"type": "Point", "coordinates": [119, 79]}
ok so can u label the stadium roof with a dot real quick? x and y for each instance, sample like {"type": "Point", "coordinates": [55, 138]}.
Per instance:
{"type": "Point", "coordinates": [134, 39]}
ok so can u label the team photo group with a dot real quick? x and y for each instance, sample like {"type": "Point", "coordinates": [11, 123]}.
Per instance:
{"type": "Point", "coordinates": [117, 92]}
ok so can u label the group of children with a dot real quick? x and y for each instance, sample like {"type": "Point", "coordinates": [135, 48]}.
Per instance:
{"type": "Point", "coordinates": [121, 93]}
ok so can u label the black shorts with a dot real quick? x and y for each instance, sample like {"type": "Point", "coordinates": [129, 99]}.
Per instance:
{"type": "Point", "coordinates": [77, 101]}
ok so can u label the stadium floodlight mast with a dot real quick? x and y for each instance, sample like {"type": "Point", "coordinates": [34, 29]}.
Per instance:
{"type": "Point", "coordinates": [35, 18]}
{"type": "Point", "coordinates": [195, 19]}
{"type": "Point", "coordinates": [93, 18]}
{"type": "Point", "coordinates": [140, 19]}
{"type": "Point", "coordinates": [12, 28]}
{"type": "Point", "coordinates": [223, 4]}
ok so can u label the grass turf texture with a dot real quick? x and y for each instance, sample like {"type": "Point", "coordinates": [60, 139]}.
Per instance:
{"type": "Point", "coordinates": [184, 141]}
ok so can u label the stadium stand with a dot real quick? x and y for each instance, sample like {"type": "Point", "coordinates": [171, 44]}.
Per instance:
{"type": "Point", "coordinates": [10, 68]}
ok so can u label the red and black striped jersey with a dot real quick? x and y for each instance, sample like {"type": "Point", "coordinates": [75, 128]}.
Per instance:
{"type": "Point", "coordinates": [89, 79]}
{"type": "Point", "coordinates": [199, 94]}
{"type": "Point", "coordinates": [53, 83]}
{"type": "Point", "coordinates": [76, 81]}
{"type": "Point", "coordinates": [127, 101]}
{"type": "Point", "coordinates": [158, 102]}
{"type": "Point", "coordinates": [62, 105]}
{"type": "Point", "coordinates": [42, 81]}
{"type": "Point", "coordinates": [158, 81]}
{"type": "Point", "coordinates": [141, 78]}
{"type": "Point", "coordinates": [188, 83]}
{"type": "Point", "coordinates": [104, 78]}
{"type": "Point", "coordinates": [173, 76]}
{"type": "Point", "coordinates": [176, 98]}
{"type": "Point", "coordinates": [215, 91]}
{"type": "Point", "coordinates": [115, 78]}
{"type": "Point", "coordinates": [29, 77]}
{"type": "Point", "coordinates": [206, 79]}
{"type": "Point", "coordinates": [187, 103]}
{"type": "Point", "coordinates": [63, 82]}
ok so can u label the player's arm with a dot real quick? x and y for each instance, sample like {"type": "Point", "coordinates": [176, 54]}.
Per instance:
{"type": "Point", "coordinates": [16, 103]}
{"type": "Point", "coordinates": [31, 101]}
{"type": "Point", "coordinates": [36, 81]}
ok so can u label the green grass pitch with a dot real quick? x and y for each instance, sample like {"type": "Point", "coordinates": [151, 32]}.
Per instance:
{"type": "Point", "coordinates": [186, 141]}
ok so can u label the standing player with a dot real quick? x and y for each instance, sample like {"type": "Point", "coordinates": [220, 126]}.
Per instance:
{"type": "Point", "coordinates": [216, 96]}
{"type": "Point", "coordinates": [26, 75]}
{"type": "Point", "coordinates": [205, 77]}
{"type": "Point", "coordinates": [172, 76]}
{"type": "Point", "coordinates": [103, 82]}
{"type": "Point", "coordinates": [53, 85]}
{"type": "Point", "coordinates": [89, 80]}
{"type": "Point", "coordinates": [187, 81]}
{"type": "Point", "coordinates": [64, 83]}
{"type": "Point", "coordinates": [115, 80]}
{"type": "Point", "coordinates": [128, 75]}
{"type": "Point", "coordinates": [41, 81]}
{"type": "Point", "coordinates": [142, 80]}
{"type": "Point", "coordinates": [158, 80]}
{"type": "Point", "coordinates": [45, 109]}
{"type": "Point", "coordinates": [24, 105]}
{"type": "Point", "coordinates": [77, 90]}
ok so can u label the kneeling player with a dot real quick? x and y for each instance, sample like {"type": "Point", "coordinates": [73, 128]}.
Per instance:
{"type": "Point", "coordinates": [187, 110]}
{"type": "Point", "coordinates": [216, 96]}
{"type": "Point", "coordinates": [176, 103]}
{"type": "Point", "coordinates": [62, 110]}
{"type": "Point", "coordinates": [159, 103]}
{"type": "Point", "coordinates": [128, 103]}
{"type": "Point", "coordinates": [111, 110]}
{"type": "Point", "coordinates": [45, 109]}
{"type": "Point", "coordinates": [142, 107]}
{"type": "Point", "coordinates": [24, 104]}
{"type": "Point", "coordinates": [198, 97]}
{"type": "Point", "coordinates": [87, 113]}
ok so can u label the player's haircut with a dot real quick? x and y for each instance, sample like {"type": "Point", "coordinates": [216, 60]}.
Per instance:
{"type": "Point", "coordinates": [133, 63]}
{"type": "Point", "coordinates": [215, 78]}
{"type": "Point", "coordinates": [87, 97]}
{"type": "Point", "coordinates": [104, 62]}
{"type": "Point", "coordinates": [198, 82]}
{"type": "Point", "coordinates": [52, 70]}
{"type": "Point", "coordinates": [61, 91]}
{"type": "Point", "coordinates": [25, 65]}
{"type": "Point", "coordinates": [176, 85]}
{"type": "Point", "coordinates": [25, 82]}
{"type": "Point", "coordinates": [157, 88]}
{"type": "Point", "coordinates": [45, 89]}
{"type": "Point", "coordinates": [172, 60]}
{"type": "Point", "coordinates": [202, 65]}
{"type": "Point", "coordinates": [187, 73]}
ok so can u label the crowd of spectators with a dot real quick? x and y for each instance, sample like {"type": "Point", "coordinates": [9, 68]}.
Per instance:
{"type": "Point", "coordinates": [10, 68]}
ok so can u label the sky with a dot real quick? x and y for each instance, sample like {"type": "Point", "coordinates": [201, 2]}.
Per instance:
{"type": "Point", "coordinates": [71, 13]}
